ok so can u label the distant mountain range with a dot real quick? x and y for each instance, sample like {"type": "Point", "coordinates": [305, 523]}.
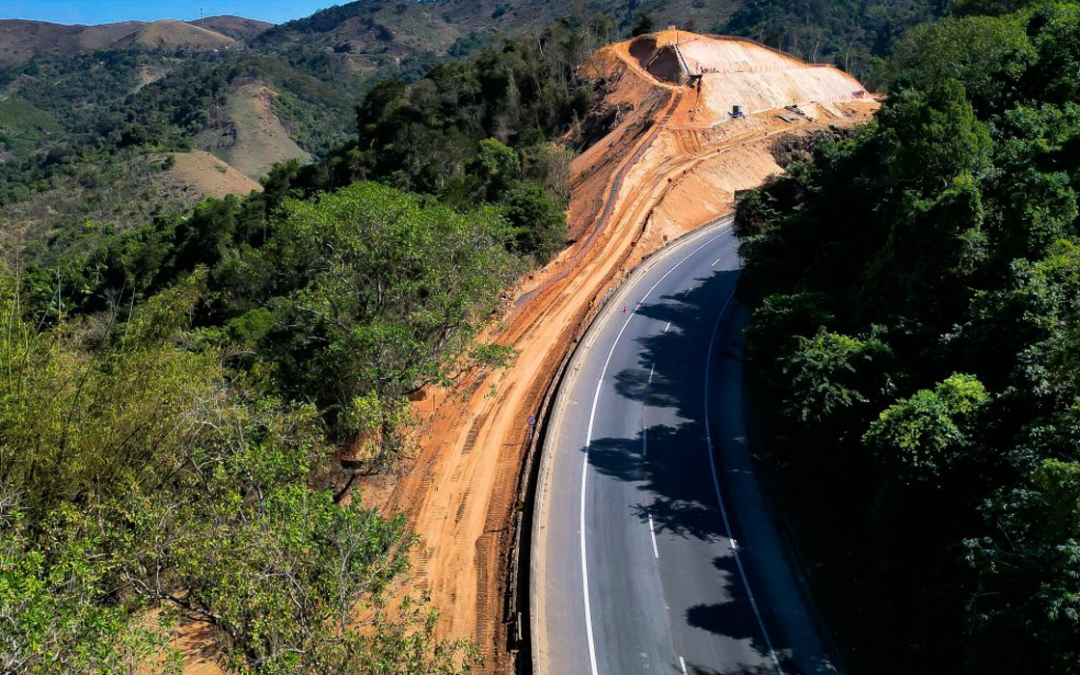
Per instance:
{"type": "Point", "coordinates": [358, 37]}
{"type": "Point", "coordinates": [76, 102]}
{"type": "Point", "coordinates": [22, 40]}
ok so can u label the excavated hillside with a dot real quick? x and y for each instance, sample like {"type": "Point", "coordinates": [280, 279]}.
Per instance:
{"type": "Point", "coordinates": [672, 163]}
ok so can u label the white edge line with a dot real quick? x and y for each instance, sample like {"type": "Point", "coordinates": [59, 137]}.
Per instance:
{"type": "Point", "coordinates": [544, 479]}
{"type": "Point", "coordinates": [588, 442]}
{"type": "Point", "coordinates": [652, 532]}
{"type": "Point", "coordinates": [720, 499]}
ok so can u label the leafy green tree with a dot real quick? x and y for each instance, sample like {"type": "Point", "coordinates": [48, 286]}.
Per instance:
{"type": "Point", "coordinates": [56, 397]}
{"type": "Point", "coordinates": [539, 222]}
{"type": "Point", "coordinates": [985, 54]}
{"type": "Point", "coordinates": [380, 293]}
{"type": "Point", "coordinates": [55, 613]}
{"type": "Point", "coordinates": [1027, 332]}
{"type": "Point", "coordinates": [777, 325]}
{"type": "Point", "coordinates": [905, 274]}
{"type": "Point", "coordinates": [497, 167]}
{"type": "Point", "coordinates": [828, 375]}
{"type": "Point", "coordinates": [930, 139]}
{"type": "Point", "coordinates": [924, 437]}
{"type": "Point", "coordinates": [1026, 570]}
{"type": "Point", "coordinates": [1054, 28]}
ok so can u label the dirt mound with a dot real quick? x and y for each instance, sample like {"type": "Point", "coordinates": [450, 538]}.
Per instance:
{"type": "Point", "coordinates": [735, 76]}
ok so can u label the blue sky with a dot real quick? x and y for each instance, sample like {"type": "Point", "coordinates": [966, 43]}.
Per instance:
{"type": "Point", "coordinates": [107, 11]}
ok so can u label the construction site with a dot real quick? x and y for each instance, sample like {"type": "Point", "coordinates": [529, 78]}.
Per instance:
{"type": "Point", "coordinates": [697, 118]}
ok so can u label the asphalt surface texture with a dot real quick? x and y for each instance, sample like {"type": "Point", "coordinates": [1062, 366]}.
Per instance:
{"type": "Point", "coordinates": [656, 550]}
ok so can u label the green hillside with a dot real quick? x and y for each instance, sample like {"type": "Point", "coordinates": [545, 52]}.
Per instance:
{"type": "Point", "coordinates": [915, 349]}
{"type": "Point", "coordinates": [175, 36]}
{"type": "Point", "coordinates": [23, 128]}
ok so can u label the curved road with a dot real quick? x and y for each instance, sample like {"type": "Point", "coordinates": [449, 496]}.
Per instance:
{"type": "Point", "coordinates": [655, 550]}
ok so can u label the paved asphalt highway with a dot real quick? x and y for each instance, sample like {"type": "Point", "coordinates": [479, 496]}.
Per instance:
{"type": "Point", "coordinates": [655, 550]}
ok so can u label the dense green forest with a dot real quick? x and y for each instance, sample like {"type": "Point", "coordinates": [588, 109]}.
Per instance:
{"type": "Point", "coordinates": [855, 35]}
{"type": "Point", "coordinates": [915, 351]}
{"type": "Point", "coordinates": [171, 396]}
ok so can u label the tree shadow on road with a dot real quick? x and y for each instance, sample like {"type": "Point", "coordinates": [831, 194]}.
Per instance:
{"type": "Point", "coordinates": [676, 506]}
{"type": "Point", "coordinates": [675, 477]}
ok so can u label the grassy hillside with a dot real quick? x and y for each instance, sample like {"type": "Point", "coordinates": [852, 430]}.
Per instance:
{"type": "Point", "coordinates": [236, 27]}
{"type": "Point", "coordinates": [175, 36]}
{"type": "Point", "coordinates": [202, 174]}
{"type": "Point", "coordinates": [22, 40]}
{"type": "Point", "coordinates": [23, 128]}
{"type": "Point", "coordinates": [246, 133]}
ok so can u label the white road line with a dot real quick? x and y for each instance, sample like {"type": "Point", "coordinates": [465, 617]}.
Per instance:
{"type": "Point", "coordinates": [686, 293]}
{"type": "Point", "coordinates": [652, 531]}
{"type": "Point", "coordinates": [651, 369]}
{"type": "Point", "coordinates": [683, 664]}
{"type": "Point", "coordinates": [667, 326]}
{"type": "Point", "coordinates": [644, 435]}
{"type": "Point", "coordinates": [720, 499]}
{"type": "Point", "coordinates": [588, 442]}
{"type": "Point", "coordinates": [714, 262]}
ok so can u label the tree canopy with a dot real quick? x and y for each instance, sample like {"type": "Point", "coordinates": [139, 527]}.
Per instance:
{"type": "Point", "coordinates": [946, 231]}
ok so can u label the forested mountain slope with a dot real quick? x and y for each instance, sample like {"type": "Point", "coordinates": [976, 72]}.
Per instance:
{"type": "Point", "coordinates": [915, 344]}
{"type": "Point", "coordinates": [173, 395]}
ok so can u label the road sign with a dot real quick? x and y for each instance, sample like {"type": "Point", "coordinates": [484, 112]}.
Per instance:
{"type": "Point", "coordinates": [531, 420]}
